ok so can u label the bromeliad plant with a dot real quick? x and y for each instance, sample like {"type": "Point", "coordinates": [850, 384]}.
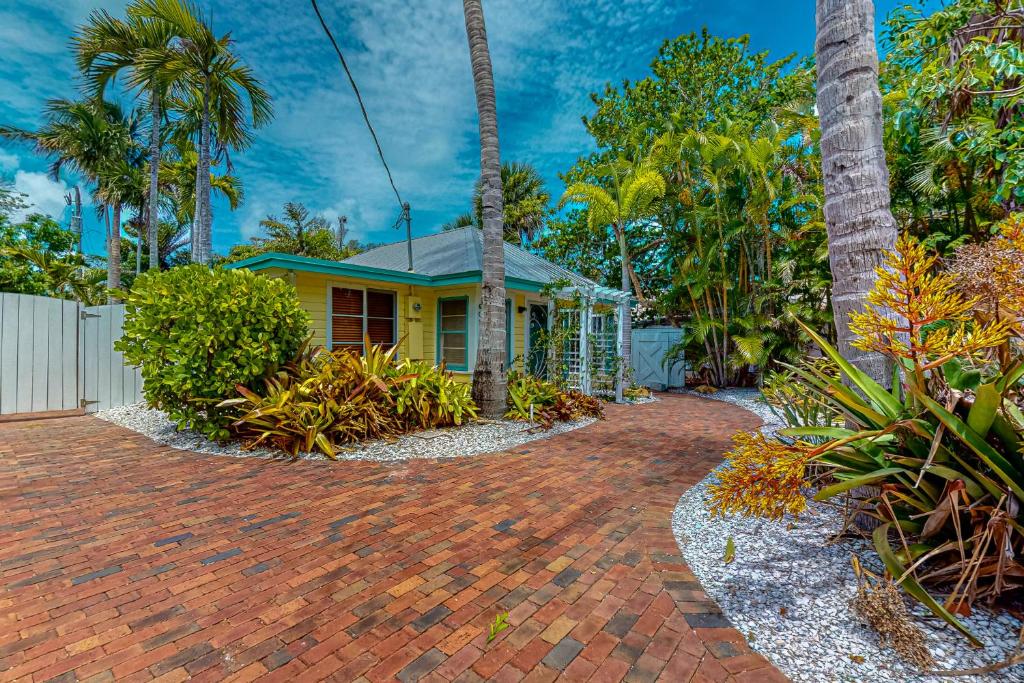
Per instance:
{"type": "Point", "coordinates": [937, 459]}
{"type": "Point", "coordinates": [786, 398]}
{"type": "Point", "coordinates": [323, 400]}
{"type": "Point", "coordinates": [531, 399]}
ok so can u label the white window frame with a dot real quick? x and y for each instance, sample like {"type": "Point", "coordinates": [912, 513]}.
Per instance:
{"type": "Point", "coordinates": [329, 310]}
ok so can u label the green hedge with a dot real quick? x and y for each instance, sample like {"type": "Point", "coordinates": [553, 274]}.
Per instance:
{"type": "Point", "coordinates": [198, 332]}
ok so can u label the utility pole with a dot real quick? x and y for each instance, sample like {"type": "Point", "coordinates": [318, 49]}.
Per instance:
{"type": "Point", "coordinates": [75, 202]}
{"type": "Point", "coordinates": [408, 231]}
{"type": "Point", "coordinates": [342, 231]}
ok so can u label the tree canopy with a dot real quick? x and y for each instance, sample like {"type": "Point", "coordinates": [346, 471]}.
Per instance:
{"type": "Point", "coordinates": [299, 233]}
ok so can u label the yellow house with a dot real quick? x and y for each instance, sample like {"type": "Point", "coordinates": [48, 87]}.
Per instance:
{"type": "Point", "coordinates": [432, 307]}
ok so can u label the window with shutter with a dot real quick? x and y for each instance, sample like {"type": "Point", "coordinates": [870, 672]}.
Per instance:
{"type": "Point", "coordinates": [357, 314]}
{"type": "Point", "coordinates": [347, 307]}
{"type": "Point", "coordinates": [380, 317]}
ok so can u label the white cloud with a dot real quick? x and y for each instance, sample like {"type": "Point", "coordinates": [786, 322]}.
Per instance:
{"type": "Point", "coordinates": [8, 161]}
{"type": "Point", "coordinates": [42, 194]}
{"type": "Point", "coordinates": [412, 64]}
{"type": "Point", "coordinates": [414, 73]}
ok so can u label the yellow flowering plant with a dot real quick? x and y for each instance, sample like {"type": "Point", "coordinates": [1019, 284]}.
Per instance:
{"type": "Point", "coordinates": [936, 458]}
{"type": "Point", "coordinates": [918, 314]}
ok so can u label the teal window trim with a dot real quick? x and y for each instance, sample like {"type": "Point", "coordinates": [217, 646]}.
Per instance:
{"type": "Point", "coordinates": [464, 332]}
{"type": "Point", "coordinates": [509, 325]}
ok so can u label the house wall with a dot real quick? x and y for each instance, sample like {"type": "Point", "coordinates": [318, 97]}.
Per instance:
{"type": "Point", "coordinates": [417, 330]}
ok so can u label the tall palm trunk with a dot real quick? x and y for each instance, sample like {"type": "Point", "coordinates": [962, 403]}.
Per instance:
{"type": "Point", "coordinates": [488, 377]}
{"type": "Point", "coordinates": [114, 252]}
{"type": "Point", "coordinates": [202, 239]}
{"type": "Point", "coordinates": [857, 212]}
{"type": "Point", "coordinates": [76, 221]}
{"type": "Point", "coordinates": [625, 310]}
{"type": "Point", "coordinates": [154, 180]}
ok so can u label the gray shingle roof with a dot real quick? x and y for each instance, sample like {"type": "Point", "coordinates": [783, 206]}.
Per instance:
{"type": "Point", "coordinates": [461, 251]}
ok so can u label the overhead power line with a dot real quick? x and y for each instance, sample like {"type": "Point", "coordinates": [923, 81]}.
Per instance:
{"type": "Point", "coordinates": [362, 107]}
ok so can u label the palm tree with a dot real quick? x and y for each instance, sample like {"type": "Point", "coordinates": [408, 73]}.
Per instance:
{"type": "Point", "coordinates": [178, 180]}
{"type": "Point", "coordinates": [857, 214]}
{"type": "Point", "coordinates": [67, 276]}
{"type": "Point", "coordinates": [630, 194]}
{"type": "Point", "coordinates": [488, 377]}
{"type": "Point", "coordinates": [463, 220]}
{"type": "Point", "coordinates": [121, 184]}
{"type": "Point", "coordinates": [214, 86]}
{"type": "Point", "coordinates": [106, 46]}
{"type": "Point", "coordinates": [86, 138]}
{"type": "Point", "coordinates": [292, 232]}
{"type": "Point", "coordinates": [524, 202]}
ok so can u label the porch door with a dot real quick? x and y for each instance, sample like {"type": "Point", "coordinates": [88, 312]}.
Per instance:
{"type": "Point", "coordinates": [537, 360]}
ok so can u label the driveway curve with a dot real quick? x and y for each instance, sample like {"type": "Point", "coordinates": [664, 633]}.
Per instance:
{"type": "Point", "coordinates": [124, 560]}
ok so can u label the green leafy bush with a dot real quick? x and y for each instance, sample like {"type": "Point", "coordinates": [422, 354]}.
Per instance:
{"type": "Point", "coordinates": [321, 401]}
{"type": "Point", "coordinates": [636, 392]}
{"type": "Point", "coordinates": [198, 333]}
{"type": "Point", "coordinates": [532, 399]}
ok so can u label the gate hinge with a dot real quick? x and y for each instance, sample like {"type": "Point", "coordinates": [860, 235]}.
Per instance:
{"type": "Point", "coordinates": [84, 316]}
{"type": "Point", "coordinates": [82, 403]}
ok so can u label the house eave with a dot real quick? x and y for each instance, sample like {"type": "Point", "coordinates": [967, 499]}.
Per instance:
{"type": "Point", "coordinates": [337, 268]}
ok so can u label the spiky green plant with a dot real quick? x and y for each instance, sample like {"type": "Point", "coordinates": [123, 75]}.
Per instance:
{"type": "Point", "coordinates": [937, 459]}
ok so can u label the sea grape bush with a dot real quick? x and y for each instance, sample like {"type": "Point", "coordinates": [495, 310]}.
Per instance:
{"type": "Point", "coordinates": [199, 332]}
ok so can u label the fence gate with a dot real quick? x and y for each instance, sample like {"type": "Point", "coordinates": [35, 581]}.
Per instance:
{"type": "Point", "coordinates": [650, 344]}
{"type": "Point", "coordinates": [57, 355]}
{"type": "Point", "coordinates": [107, 381]}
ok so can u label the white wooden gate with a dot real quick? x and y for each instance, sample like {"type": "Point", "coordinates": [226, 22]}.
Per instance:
{"type": "Point", "coordinates": [650, 345]}
{"type": "Point", "coordinates": [57, 355]}
{"type": "Point", "coordinates": [106, 380]}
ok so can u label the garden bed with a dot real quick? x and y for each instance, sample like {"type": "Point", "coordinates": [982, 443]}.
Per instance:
{"type": "Point", "coordinates": [469, 439]}
{"type": "Point", "coordinates": [788, 592]}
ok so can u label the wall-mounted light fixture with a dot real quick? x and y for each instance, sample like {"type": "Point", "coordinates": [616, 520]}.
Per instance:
{"type": "Point", "coordinates": [521, 309]}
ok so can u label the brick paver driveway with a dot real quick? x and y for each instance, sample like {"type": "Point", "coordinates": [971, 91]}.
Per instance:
{"type": "Point", "coordinates": [121, 560]}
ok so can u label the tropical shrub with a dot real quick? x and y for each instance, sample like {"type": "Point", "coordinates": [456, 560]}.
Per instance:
{"type": "Point", "coordinates": [785, 397]}
{"type": "Point", "coordinates": [322, 400]}
{"type": "Point", "coordinates": [431, 396]}
{"type": "Point", "coordinates": [198, 333]}
{"type": "Point", "coordinates": [937, 459]}
{"type": "Point", "coordinates": [636, 391]}
{"type": "Point", "coordinates": [532, 399]}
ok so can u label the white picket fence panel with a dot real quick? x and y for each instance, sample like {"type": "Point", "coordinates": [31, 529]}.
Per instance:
{"type": "Point", "coordinates": [58, 355]}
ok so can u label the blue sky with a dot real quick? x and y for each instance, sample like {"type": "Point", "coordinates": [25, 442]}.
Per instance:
{"type": "Point", "coordinates": [411, 62]}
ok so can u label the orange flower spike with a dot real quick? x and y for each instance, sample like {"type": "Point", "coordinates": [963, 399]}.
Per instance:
{"type": "Point", "coordinates": [1010, 269]}
{"type": "Point", "coordinates": [909, 287]}
{"type": "Point", "coordinates": [762, 478]}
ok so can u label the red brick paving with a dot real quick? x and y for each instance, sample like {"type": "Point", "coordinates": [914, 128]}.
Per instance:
{"type": "Point", "coordinates": [121, 560]}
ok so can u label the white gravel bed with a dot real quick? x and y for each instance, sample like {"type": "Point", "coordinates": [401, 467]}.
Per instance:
{"type": "Point", "coordinates": [788, 592]}
{"type": "Point", "coordinates": [469, 439]}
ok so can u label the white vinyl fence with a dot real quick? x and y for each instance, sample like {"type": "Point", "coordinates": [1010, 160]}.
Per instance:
{"type": "Point", "coordinates": [58, 355]}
